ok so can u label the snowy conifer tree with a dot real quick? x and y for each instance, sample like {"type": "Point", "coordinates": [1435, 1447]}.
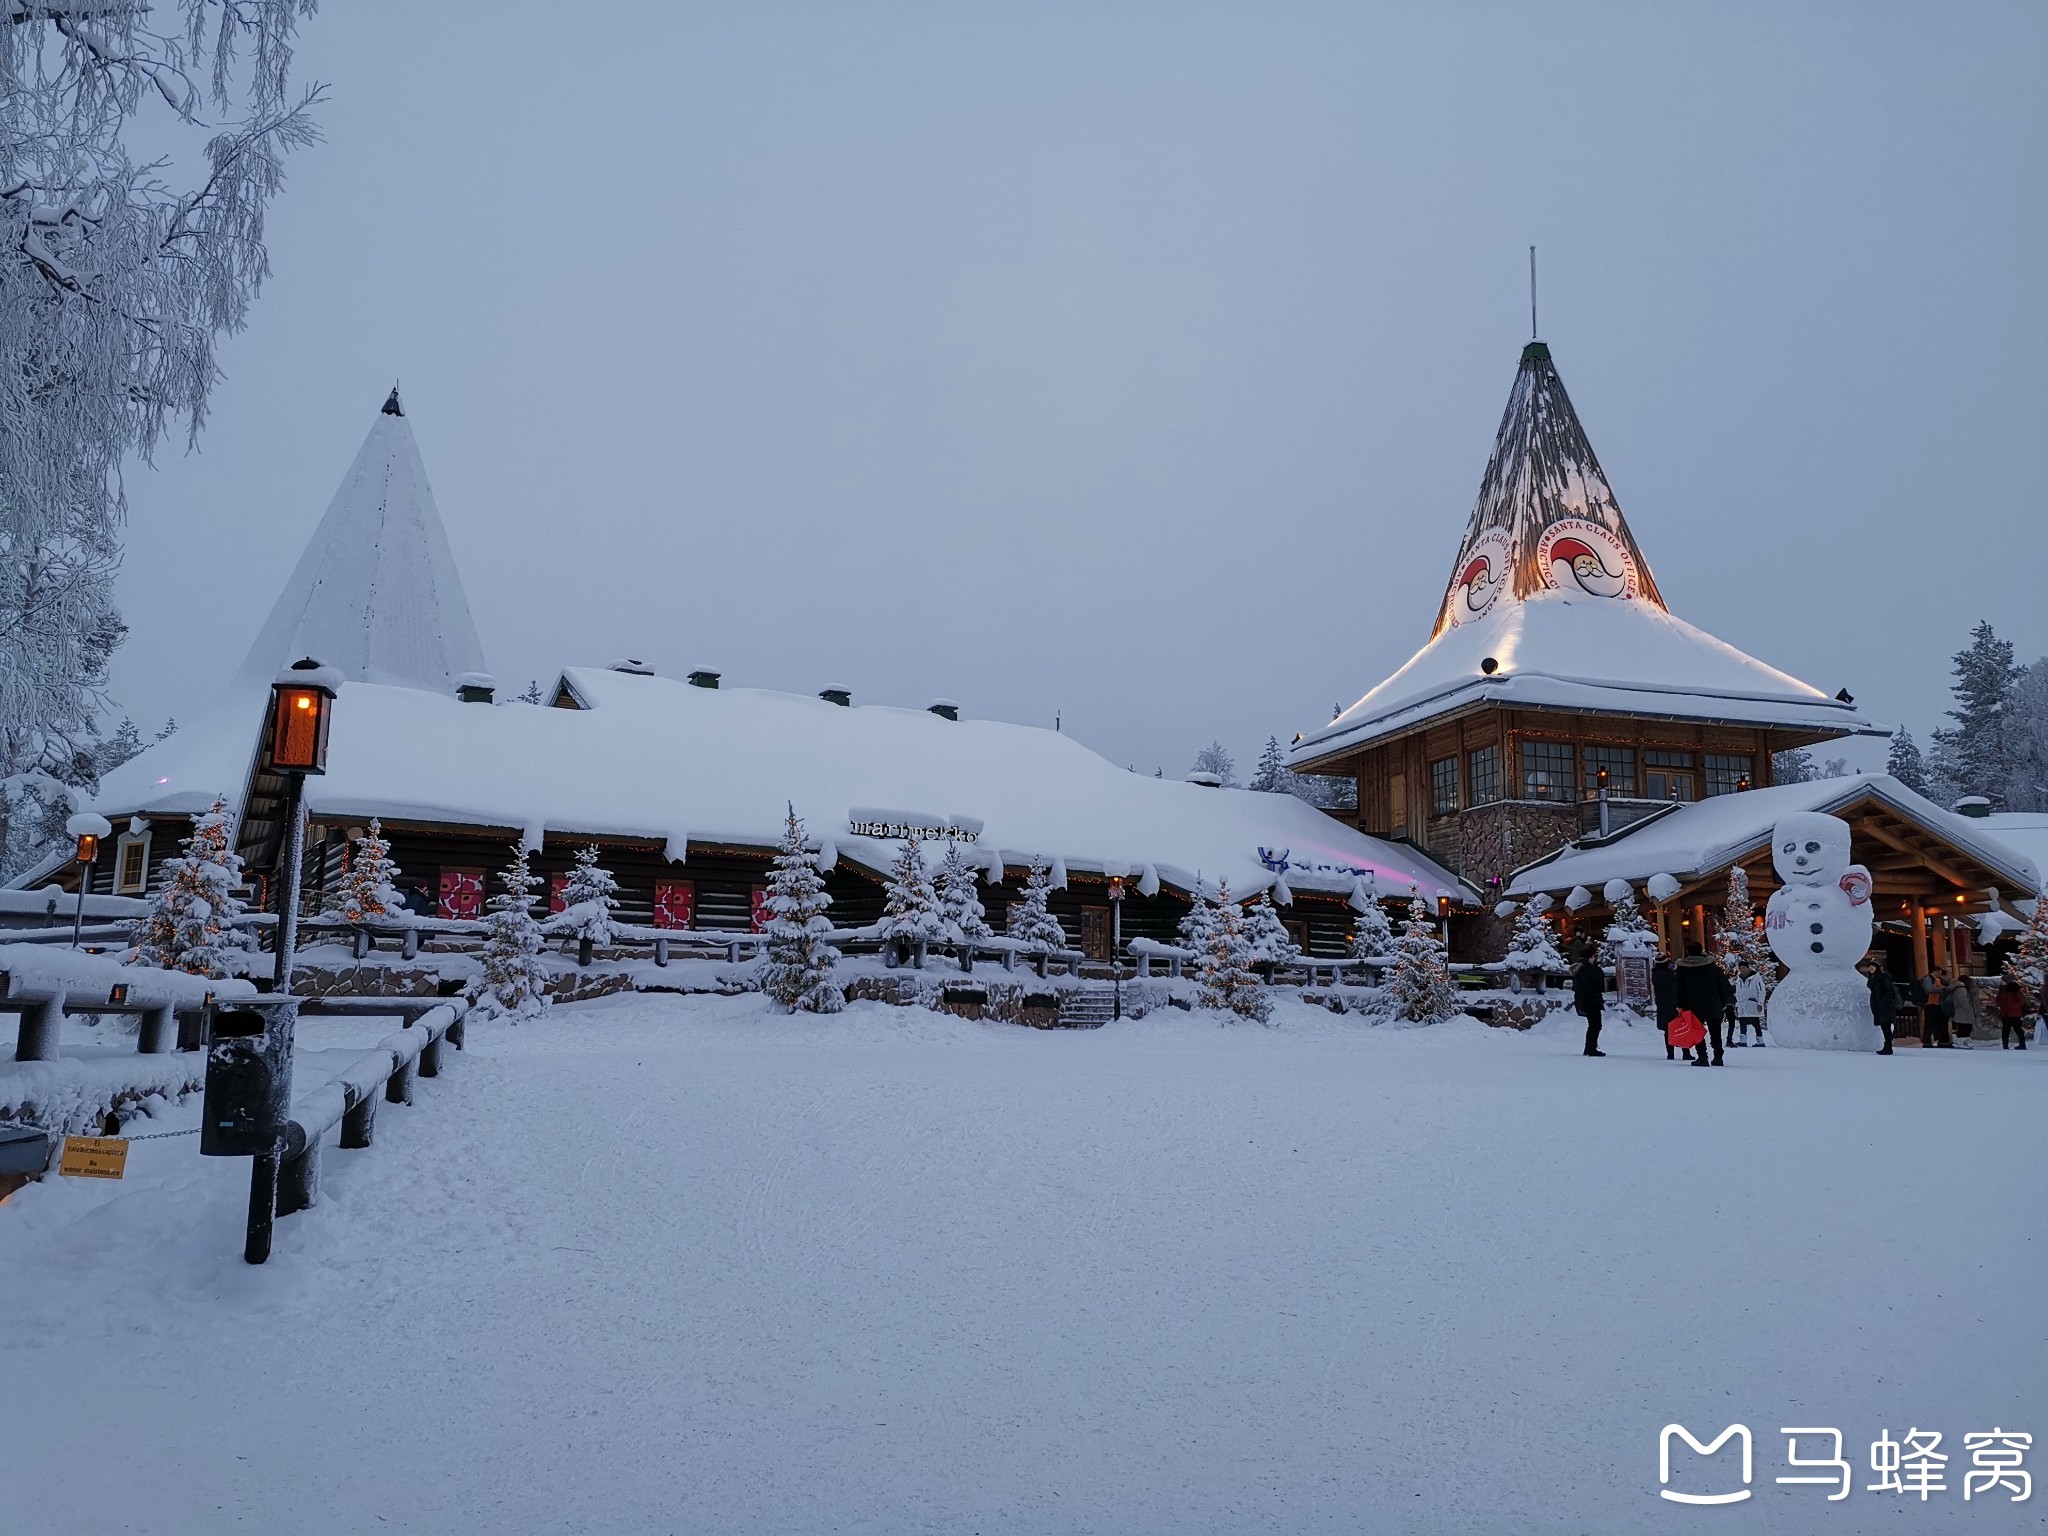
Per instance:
{"type": "Point", "coordinates": [1271, 773]}
{"type": "Point", "coordinates": [1627, 918]}
{"type": "Point", "coordinates": [367, 888]}
{"type": "Point", "coordinates": [1533, 944]}
{"type": "Point", "coordinates": [1267, 936]}
{"type": "Point", "coordinates": [800, 962]}
{"type": "Point", "coordinates": [1744, 951]}
{"type": "Point", "coordinates": [1193, 932]}
{"type": "Point", "coordinates": [1975, 755]}
{"type": "Point", "coordinates": [960, 897]}
{"type": "Point", "coordinates": [1229, 984]}
{"type": "Point", "coordinates": [1421, 983]}
{"type": "Point", "coordinates": [1905, 763]}
{"type": "Point", "coordinates": [190, 922]}
{"type": "Point", "coordinates": [2028, 963]}
{"type": "Point", "coordinates": [589, 899]}
{"type": "Point", "coordinates": [513, 982]}
{"type": "Point", "coordinates": [910, 908]}
{"type": "Point", "coordinates": [121, 265]}
{"type": "Point", "coordinates": [1794, 765]}
{"type": "Point", "coordinates": [1030, 921]}
{"type": "Point", "coordinates": [1374, 939]}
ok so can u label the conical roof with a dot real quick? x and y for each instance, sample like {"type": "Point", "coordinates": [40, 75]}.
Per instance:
{"type": "Point", "coordinates": [1551, 605]}
{"type": "Point", "coordinates": [376, 594]}
{"type": "Point", "coordinates": [1546, 518]}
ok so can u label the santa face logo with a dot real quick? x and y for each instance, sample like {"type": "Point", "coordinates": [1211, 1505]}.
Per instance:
{"type": "Point", "coordinates": [1575, 555]}
{"type": "Point", "coordinates": [1482, 578]}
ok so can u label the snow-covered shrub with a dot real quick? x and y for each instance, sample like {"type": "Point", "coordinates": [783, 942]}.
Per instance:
{"type": "Point", "coordinates": [190, 922]}
{"type": "Point", "coordinates": [1627, 918]}
{"type": "Point", "coordinates": [1374, 939]}
{"type": "Point", "coordinates": [1533, 945]}
{"type": "Point", "coordinates": [910, 907]}
{"type": "Point", "coordinates": [1421, 983]}
{"type": "Point", "coordinates": [798, 971]}
{"type": "Point", "coordinates": [589, 899]}
{"type": "Point", "coordinates": [1267, 936]}
{"type": "Point", "coordinates": [367, 888]}
{"type": "Point", "coordinates": [1030, 921]}
{"type": "Point", "coordinates": [1194, 928]}
{"type": "Point", "coordinates": [960, 897]}
{"type": "Point", "coordinates": [513, 982]}
{"type": "Point", "coordinates": [1229, 984]}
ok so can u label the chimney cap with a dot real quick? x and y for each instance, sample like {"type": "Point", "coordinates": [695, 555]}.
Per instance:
{"type": "Point", "coordinates": [703, 677]}
{"type": "Point", "coordinates": [1206, 780]}
{"type": "Point", "coordinates": [839, 696]}
{"type": "Point", "coordinates": [945, 709]}
{"type": "Point", "coordinates": [633, 665]}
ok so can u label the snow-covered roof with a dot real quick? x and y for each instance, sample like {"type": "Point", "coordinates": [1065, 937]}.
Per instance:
{"type": "Point", "coordinates": [1574, 651]}
{"type": "Point", "coordinates": [653, 757]}
{"type": "Point", "coordinates": [2024, 832]}
{"type": "Point", "coordinates": [1552, 605]}
{"type": "Point", "coordinates": [376, 595]}
{"type": "Point", "coordinates": [1694, 840]}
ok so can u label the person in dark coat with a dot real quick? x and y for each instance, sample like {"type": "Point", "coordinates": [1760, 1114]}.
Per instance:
{"type": "Point", "coordinates": [1589, 996]}
{"type": "Point", "coordinates": [1704, 989]}
{"type": "Point", "coordinates": [2012, 1014]}
{"type": "Point", "coordinates": [1884, 998]}
{"type": "Point", "coordinates": [1664, 988]}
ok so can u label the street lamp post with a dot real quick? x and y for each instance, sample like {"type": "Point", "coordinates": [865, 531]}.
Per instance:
{"type": "Point", "coordinates": [305, 694]}
{"type": "Point", "coordinates": [88, 829]}
{"type": "Point", "coordinates": [1116, 942]}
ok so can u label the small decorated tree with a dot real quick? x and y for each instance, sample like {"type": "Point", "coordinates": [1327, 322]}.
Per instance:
{"type": "Point", "coordinates": [1627, 918]}
{"type": "Point", "coordinates": [1267, 936]}
{"type": "Point", "coordinates": [190, 924]}
{"type": "Point", "coordinates": [1533, 944]}
{"type": "Point", "coordinates": [910, 911]}
{"type": "Point", "coordinates": [960, 897]}
{"type": "Point", "coordinates": [1744, 951]}
{"type": "Point", "coordinates": [513, 983]}
{"type": "Point", "coordinates": [1421, 984]}
{"type": "Point", "coordinates": [1229, 984]}
{"type": "Point", "coordinates": [2028, 963]}
{"type": "Point", "coordinates": [1030, 921]}
{"type": "Point", "coordinates": [1374, 939]}
{"type": "Point", "coordinates": [800, 961]}
{"type": "Point", "coordinates": [1194, 928]}
{"type": "Point", "coordinates": [366, 885]}
{"type": "Point", "coordinates": [588, 902]}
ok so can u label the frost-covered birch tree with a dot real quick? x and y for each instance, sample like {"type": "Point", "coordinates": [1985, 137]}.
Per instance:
{"type": "Point", "coordinates": [119, 272]}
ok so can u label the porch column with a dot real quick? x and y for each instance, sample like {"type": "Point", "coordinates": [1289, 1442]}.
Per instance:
{"type": "Point", "coordinates": [1699, 924]}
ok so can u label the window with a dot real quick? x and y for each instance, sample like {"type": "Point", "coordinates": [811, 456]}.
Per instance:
{"type": "Point", "coordinates": [1620, 763]}
{"type": "Point", "coordinates": [131, 865]}
{"type": "Point", "coordinates": [1668, 784]}
{"type": "Point", "coordinates": [461, 894]}
{"type": "Point", "coordinates": [675, 903]}
{"type": "Point", "coordinates": [1546, 770]}
{"type": "Point", "coordinates": [1659, 758]}
{"type": "Point", "coordinates": [1482, 767]}
{"type": "Point", "coordinates": [1725, 774]}
{"type": "Point", "coordinates": [1443, 786]}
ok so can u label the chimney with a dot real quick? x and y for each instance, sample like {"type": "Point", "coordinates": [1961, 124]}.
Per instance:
{"type": "Point", "coordinates": [840, 696]}
{"type": "Point", "coordinates": [1976, 807]}
{"type": "Point", "coordinates": [476, 687]}
{"type": "Point", "coordinates": [633, 665]}
{"type": "Point", "coordinates": [945, 709]}
{"type": "Point", "coordinates": [703, 677]}
{"type": "Point", "coordinates": [1207, 780]}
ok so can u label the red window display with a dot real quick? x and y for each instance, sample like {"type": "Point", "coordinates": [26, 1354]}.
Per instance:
{"type": "Point", "coordinates": [462, 893]}
{"type": "Point", "coordinates": [558, 893]}
{"type": "Point", "coordinates": [760, 908]}
{"type": "Point", "coordinates": [675, 903]}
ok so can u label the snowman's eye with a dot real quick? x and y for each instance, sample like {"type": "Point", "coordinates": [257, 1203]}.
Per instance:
{"type": "Point", "coordinates": [1813, 847]}
{"type": "Point", "coordinates": [1790, 846]}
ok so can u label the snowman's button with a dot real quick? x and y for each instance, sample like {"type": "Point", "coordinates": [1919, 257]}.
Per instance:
{"type": "Point", "coordinates": [1816, 928]}
{"type": "Point", "coordinates": [1817, 948]}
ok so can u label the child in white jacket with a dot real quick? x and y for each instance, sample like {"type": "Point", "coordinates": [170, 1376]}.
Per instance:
{"type": "Point", "coordinates": [1749, 1007]}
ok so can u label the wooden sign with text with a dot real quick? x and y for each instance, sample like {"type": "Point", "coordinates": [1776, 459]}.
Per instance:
{"type": "Point", "coordinates": [94, 1157]}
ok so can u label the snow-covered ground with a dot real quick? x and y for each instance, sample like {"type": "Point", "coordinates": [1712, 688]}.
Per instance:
{"type": "Point", "coordinates": [678, 1265]}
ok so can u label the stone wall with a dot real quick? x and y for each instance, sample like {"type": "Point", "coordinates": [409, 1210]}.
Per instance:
{"type": "Point", "coordinates": [1498, 839]}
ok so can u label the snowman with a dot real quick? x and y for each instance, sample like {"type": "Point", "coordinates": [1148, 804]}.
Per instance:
{"type": "Point", "coordinates": [1818, 924]}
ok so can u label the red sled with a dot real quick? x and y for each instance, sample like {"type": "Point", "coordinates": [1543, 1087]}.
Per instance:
{"type": "Point", "coordinates": [1686, 1030]}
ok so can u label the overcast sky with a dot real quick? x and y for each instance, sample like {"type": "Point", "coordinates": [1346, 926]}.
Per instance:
{"type": "Point", "coordinates": [1136, 362]}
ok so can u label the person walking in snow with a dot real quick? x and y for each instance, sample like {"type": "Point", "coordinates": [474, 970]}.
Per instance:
{"type": "Point", "coordinates": [1933, 987]}
{"type": "Point", "coordinates": [2012, 1013]}
{"type": "Point", "coordinates": [1749, 1006]}
{"type": "Point", "coordinates": [1884, 998]}
{"type": "Point", "coordinates": [1703, 989]}
{"type": "Point", "coordinates": [1589, 996]}
{"type": "Point", "coordinates": [1664, 989]}
{"type": "Point", "coordinates": [1959, 1010]}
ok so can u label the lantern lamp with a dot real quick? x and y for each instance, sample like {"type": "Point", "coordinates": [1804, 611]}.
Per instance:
{"type": "Point", "coordinates": [305, 698]}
